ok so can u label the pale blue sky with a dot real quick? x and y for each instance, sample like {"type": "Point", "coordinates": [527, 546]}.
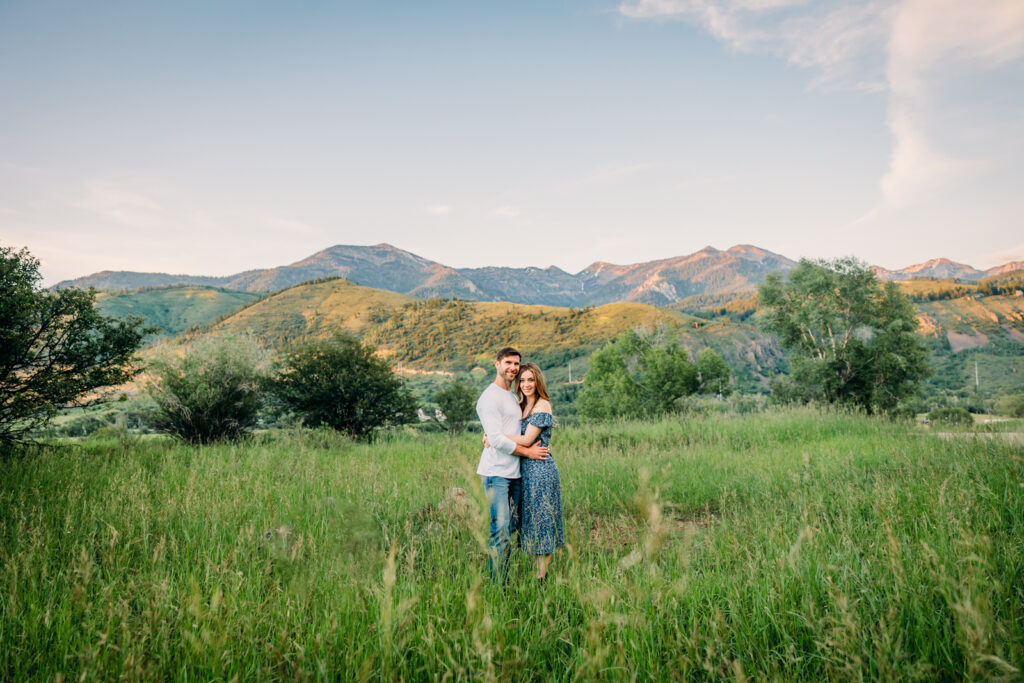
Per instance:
{"type": "Point", "coordinates": [214, 137]}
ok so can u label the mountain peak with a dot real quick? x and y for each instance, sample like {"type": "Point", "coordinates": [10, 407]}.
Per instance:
{"type": "Point", "coordinates": [941, 267]}
{"type": "Point", "coordinates": [941, 261]}
{"type": "Point", "coordinates": [747, 249]}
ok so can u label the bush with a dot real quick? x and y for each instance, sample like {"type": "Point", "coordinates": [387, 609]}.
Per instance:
{"type": "Point", "coordinates": [953, 417]}
{"type": "Point", "coordinates": [341, 383]}
{"type": "Point", "coordinates": [744, 405]}
{"type": "Point", "coordinates": [458, 403]}
{"type": "Point", "coordinates": [212, 393]}
{"type": "Point", "coordinates": [1011, 406]}
{"type": "Point", "coordinates": [713, 372]}
{"type": "Point", "coordinates": [639, 375]}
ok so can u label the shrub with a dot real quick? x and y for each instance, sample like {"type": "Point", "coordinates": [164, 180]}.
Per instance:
{"type": "Point", "coordinates": [1012, 406]}
{"type": "Point", "coordinates": [713, 373]}
{"type": "Point", "coordinates": [341, 383]}
{"type": "Point", "coordinates": [953, 417]}
{"type": "Point", "coordinates": [211, 393]}
{"type": "Point", "coordinates": [634, 375]}
{"type": "Point", "coordinates": [458, 403]}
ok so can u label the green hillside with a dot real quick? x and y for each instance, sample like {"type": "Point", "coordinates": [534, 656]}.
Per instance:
{"type": "Point", "coordinates": [453, 331]}
{"type": "Point", "coordinates": [310, 311]}
{"type": "Point", "coordinates": [174, 309]}
{"type": "Point", "coordinates": [971, 316]}
{"type": "Point", "coordinates": [444, 335]}
{"type": "Point", "coordinates": [426, 336]}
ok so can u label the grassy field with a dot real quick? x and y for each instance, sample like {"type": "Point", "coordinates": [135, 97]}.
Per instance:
{"type": "Point", "coordinates": [790, 545]}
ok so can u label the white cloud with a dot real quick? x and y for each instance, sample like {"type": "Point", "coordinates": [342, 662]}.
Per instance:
{"type": "Point", "coordinates": [909, 49]}
{"type": "Point", "coordinates": [932, 41]}
{"type": "Point", "coordinates": [825, 35]}
{"type": "Point", "coordinates": [437, 209]}
{"type": "Point", "coordinates": [915, 168]}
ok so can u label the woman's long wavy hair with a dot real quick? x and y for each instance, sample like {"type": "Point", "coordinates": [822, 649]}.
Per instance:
{"type": "Point", "coordinates": [541, 387]}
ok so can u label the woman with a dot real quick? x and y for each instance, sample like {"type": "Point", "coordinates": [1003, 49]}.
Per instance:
{"type": "Point", "coordinates": [541, 528]}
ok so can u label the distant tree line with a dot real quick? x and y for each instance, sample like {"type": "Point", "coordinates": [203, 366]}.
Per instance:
{"type": "Point", "coordinates": [1006, 284]}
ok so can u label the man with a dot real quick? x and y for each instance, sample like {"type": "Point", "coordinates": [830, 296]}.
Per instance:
{"type": "Point", "coordinates": [499, 415]}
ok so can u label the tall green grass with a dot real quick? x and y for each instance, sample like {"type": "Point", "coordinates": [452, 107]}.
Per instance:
{"type": "Point", "coordinates": [785, 545]}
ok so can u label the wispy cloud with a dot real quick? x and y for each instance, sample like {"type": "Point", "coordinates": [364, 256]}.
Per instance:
{"type": "Point", "coordinates": [437, 209]}
{"type": "Point", "coordinates": [998, 258]}
{"type": "Point", "coordinates": [828, 36]}
{"type": "Point", "coordinates": [907, 49]}
{"type": "Point", "coordinates": [929, 41]}
{"type": "Point", "coordinates": [122, 204]}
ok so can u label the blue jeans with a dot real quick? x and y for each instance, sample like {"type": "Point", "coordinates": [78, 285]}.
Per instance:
{"type": "Point", "coordinates": [505, 497]}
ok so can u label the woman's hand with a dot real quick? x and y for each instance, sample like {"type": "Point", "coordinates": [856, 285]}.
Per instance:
{"type": "Point", "coordinates": [487, 444]}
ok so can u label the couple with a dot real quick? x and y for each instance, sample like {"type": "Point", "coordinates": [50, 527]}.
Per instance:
{"type": "Point", "coordinates": [519, 476]}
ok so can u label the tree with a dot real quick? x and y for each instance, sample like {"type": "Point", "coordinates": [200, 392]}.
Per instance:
{"type": "Point", "coordinates": [634, 376]}
{"type": "Point", "coordinates": [213, 392]}
{"type": "Point", "coordinates": [341, 383]}
{"type": "Point", "coordinates": [852, 340]}
{"type": "Point", "coordinates": [458, 403]}
{"type": "Point", "coordinates": [713, 373]}
{"type": "Point", "coordinates": [56, 350]}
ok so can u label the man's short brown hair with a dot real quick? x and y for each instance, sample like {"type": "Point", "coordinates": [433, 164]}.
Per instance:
{"type": "Point", "coordinates": [507, 351]}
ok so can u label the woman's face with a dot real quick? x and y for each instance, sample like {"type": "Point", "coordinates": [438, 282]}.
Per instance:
{"type": "Point", "coordinates": [527, 384]}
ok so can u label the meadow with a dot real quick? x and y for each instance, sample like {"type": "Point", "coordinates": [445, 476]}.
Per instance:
{"type": "Point", "coordinates": [791, 544]}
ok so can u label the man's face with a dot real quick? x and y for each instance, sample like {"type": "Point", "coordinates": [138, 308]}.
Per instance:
{"type": "Point", "coordinates": [508, 367]}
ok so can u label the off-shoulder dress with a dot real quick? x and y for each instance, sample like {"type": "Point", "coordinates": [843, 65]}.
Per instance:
{"type": "Point", "coordinates": [541, 529]}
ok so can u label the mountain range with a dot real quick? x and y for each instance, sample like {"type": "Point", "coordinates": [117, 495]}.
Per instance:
{"type": "Point", "coordinates": [708, 272]}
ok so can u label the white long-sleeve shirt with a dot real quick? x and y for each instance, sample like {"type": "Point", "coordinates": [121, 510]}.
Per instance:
{"type": "Point", "coordinates": [499, 415]}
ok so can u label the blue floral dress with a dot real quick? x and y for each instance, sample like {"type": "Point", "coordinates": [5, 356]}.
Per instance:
{"type": "Point", "coordinates": [541, 529]}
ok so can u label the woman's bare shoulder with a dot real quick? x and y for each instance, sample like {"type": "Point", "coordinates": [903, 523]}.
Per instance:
{"type": "Point", "coordinates": [543, 406]}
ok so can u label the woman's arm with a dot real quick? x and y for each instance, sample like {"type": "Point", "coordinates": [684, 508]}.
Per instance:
{"type": "Point", "coordinates": [527, 439]}
{"type": "Point", "coordinates": [532, 430]}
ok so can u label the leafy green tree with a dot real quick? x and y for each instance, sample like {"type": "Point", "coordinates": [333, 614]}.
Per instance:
{"type": "Point", "coordinates": [213, 392]}
{"type": "Point", "coordinates": [632, 376]}
{"type": "Point", "coordinates": [55, 348]}
{"type": "Point", "coordinates": [713, 373]}
{"type": "Point", "coordinates": [851, 339]}
{"type": "Point", "coordinates": [458, 403]}
{"type": "Point", "coordinates": [341, 383]}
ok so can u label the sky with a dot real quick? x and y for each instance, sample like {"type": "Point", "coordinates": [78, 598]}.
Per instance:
{"type": "Point", "coordinates": [214, 137]}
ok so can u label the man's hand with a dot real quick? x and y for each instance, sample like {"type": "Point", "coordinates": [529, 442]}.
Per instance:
{"type": "Point", "coordinates": [536, 452]}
